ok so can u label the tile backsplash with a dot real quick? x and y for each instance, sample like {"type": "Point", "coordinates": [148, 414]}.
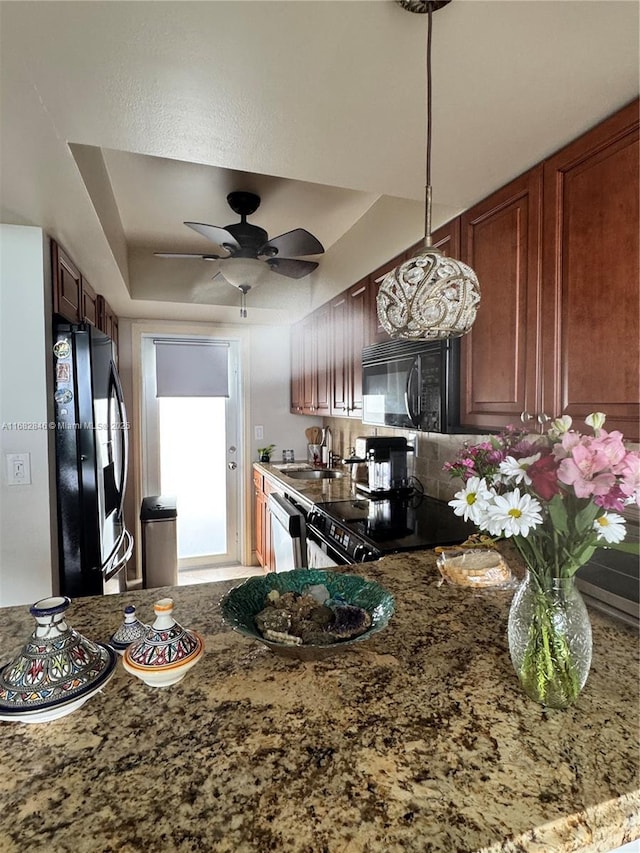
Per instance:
{"type": "Point", "coordinates": [433, 450]}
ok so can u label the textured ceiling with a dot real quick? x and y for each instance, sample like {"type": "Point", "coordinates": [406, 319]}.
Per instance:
{"type": "Point", "coordinates": [123, 119]}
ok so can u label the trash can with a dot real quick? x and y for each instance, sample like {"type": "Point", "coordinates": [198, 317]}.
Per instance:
{"type": "Point", "coordinates": [158, 516]}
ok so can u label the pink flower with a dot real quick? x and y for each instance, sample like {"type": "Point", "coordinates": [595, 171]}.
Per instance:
{"type": "Point", "coordinates": [630, 473]}
{"type": "Point", "coordinates": [614, 499]}
{"type": "Point", "coordinates": [611, 445]}
{"type": "Point", "coordinates": [586, 470]}
{"type": "Point", "coordinates": [544, 477]}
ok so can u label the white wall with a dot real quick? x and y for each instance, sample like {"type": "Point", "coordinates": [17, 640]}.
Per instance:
{"type": "Point", "coordinates": [26, 551]}
{"type": "Point", "coordinates": [270, 395]}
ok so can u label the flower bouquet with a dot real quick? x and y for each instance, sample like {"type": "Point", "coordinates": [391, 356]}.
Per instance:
{"type": "Point", "coordinates": [558, 497]}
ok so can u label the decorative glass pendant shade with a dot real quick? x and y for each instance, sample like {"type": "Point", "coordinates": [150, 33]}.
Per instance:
{"type": "Point", "coordinates": [429, 296]}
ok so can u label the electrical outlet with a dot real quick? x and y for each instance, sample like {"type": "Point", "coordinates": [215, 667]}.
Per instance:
{"type": "Point", "coordinates": [18, 469]}
{"type": "Point", "coordinates": [258, 432]}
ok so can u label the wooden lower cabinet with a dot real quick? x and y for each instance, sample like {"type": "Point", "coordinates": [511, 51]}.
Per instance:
{"type": "Point", "coordinates": [263, 487]}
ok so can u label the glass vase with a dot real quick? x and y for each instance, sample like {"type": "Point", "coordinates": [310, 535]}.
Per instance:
{"type": "Point", "coordinates": [550, 639]}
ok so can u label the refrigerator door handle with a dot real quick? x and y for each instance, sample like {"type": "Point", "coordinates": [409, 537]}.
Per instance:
{"type": "Point", "coordinates": [120, 555]}
{"type": "Point", "coordinates": [122, 430]}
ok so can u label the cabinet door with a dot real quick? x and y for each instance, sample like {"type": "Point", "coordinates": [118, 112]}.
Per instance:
{"type": "Point", "coordinates": [591, 349]}
{"type": "Point", "coordinates": [296, 367]}
{"type": "Point", "coordinates": [499, 356]}
{"type": "Point", "coordinates": [89, 298]}
{"type": "Point", "coordinates": [359, 325]}
{"type": "Point", "coordinates": [308, 366]}
{"type": "Point", "coordinates": [322, 352]}
{"type": "Point", "coordinates": [339, 356]}
{"type": "Point", "coordinates": [261, 514]}
{"type": "Point", "coordinates": [67, 285]}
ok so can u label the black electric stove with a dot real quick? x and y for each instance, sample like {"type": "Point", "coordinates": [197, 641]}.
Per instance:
{"type": "Point", "coordinates": [363, 529]}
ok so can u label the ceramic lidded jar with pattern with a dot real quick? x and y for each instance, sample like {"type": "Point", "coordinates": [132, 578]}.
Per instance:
{"type": "Point", "coordinates": [130, 630]}
{"type": "Point", "coordinates": [166, 652]}
{"type": "Point", "coordinates": [56, 670]}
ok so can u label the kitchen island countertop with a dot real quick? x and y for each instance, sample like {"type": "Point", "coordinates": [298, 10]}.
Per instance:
{"type": "Point", "coordinates": [419, 739]}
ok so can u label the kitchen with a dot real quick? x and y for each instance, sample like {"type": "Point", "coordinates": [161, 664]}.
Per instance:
{"type": "Point", "coordinates": [44, 186]}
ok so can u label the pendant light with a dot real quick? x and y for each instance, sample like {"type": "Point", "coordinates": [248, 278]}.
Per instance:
{"type": "Point", "coordinates": [429, 296]}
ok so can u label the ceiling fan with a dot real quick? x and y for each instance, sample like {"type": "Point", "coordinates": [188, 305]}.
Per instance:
{"type": "Point", "coordinates": [246, 252]}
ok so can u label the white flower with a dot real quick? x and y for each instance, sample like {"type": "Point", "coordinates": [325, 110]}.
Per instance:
{"type": "Point", "coordinates": [559, 426]}
{"type": "Point", "coordinates": [472, 501]}
{"type": "Point", "coordinates": [610, 527]}
{"type": "Point", "coordinates": [516, 469]}
{"type": "Point", "coordinates": [513, 514]}
{"type": "Point", "coordinates": [596, 421]}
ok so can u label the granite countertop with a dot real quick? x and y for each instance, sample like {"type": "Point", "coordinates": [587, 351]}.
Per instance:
{"type": "Point", "coordinates": [419, 739]}
{"type": "Point", "coordinates": [314, 491]}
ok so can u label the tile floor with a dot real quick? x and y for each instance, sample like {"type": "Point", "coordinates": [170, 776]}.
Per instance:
{"type": "Point", "coordinates": [217, 573]}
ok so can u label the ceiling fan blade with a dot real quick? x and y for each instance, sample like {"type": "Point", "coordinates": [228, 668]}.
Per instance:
{"type": "Point", "coordinates": [187, 255]}
{"type": "Point", "coordinates": [291, 267]}
{"type": "Point", "coordinates": [220, 236]}
{"type": "Point", "coordinates": [296, 242]}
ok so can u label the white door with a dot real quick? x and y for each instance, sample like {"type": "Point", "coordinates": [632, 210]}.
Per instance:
{"type": "Point", "coordinates": [192, 450]}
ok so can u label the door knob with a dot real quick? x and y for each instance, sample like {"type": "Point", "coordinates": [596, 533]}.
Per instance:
{"type": "Point", "coordinates": [232, 466]}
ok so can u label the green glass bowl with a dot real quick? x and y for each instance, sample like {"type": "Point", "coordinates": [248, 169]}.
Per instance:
{"type": "Point", "coordinates": [241, 604]}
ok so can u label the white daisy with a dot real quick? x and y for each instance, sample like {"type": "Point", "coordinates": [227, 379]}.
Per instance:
{"type": "Point", "coordinates": [611, 527]}
{"type": "Point", "coordinates": [472, 501]}
{"type": "Point", "coordinates": [513, 514]}
{"type": "Point", "coordinates": [516, 469]}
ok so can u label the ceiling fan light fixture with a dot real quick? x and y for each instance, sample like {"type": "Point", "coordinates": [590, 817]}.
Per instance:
{"type": "Point", "coordinates": [430, 296]}
{"type": "Point", "coordinates": [244, 272]}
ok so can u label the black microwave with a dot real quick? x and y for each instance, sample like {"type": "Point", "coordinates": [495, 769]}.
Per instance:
{"type": "Point", "coordinates": [412, 385]}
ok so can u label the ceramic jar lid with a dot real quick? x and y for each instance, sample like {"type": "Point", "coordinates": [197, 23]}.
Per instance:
{"type": "Point", "coordinates": [166, 652]}
{"type": "Point", "coordinates": [130, 630]}
{"type": "Point", "coordinates": [57, 669]}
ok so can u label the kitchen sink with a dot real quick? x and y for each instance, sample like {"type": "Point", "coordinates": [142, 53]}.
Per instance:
{"type": "Point", "coordinates": [315, 474]}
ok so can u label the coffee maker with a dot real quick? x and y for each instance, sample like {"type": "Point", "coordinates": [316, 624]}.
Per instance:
{"type": "Point", "coordinates": [386, 463]}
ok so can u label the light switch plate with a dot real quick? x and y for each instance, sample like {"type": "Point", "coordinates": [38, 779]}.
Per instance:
{"type": "Point", "coordinates": [18, 469]}
{"type": "Point", "coordinates": [258, 432]}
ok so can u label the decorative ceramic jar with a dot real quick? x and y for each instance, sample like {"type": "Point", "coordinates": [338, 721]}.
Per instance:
{"type": "Point", "coordinates": [550, 639]}
{"type": "Point", "coordinates": [166, 652]}
{"type": "Point", "coordinates": [57, 669]}
{"type": "Point", "coordinates": [130, 630]}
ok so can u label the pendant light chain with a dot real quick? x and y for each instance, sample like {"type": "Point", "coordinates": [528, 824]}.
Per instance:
{"type": "Point", "coordinates": [427, 189]}
{"type": "Point", "coordinates": [431, 296]}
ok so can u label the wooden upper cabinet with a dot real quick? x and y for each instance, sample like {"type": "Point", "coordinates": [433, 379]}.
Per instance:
{"type": "Point", "coordinates": [339, 355]}
{"type": "Point", "coordinates": [322, 337]}
{"type": "Point", "coordinates": [67, 285]}
{"type": "Point", "coordinates": [500, 240]}
{"type": "Point", "coordinates": [297, 338]}
{"type": "Point", "coordinates": [89, 300]}
{"type": "Point", "coordinates": [446, 238]}
{"type": "Point", "coordinates": [590, 344]}
{"type": "Point", "coordinates": [360, 334]}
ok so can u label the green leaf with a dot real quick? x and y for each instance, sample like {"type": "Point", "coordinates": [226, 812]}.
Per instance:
{"type": "Point", "coordinates": [585, 517]}
{"type": "Point", "coordinates": [558, 514]}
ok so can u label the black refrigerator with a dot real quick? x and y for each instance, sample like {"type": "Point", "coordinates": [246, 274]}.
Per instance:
{"type": "Point", "coordinates": [91, 462]}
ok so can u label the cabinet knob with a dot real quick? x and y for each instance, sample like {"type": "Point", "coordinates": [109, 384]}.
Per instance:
{"type": "Point", "coordinates": [543, 418]}
{"type": "Point", "coordinates": [525, 417]}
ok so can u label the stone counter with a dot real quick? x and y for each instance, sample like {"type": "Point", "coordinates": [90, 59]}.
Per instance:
{"type": "Point", "coordinates": [419, 739]}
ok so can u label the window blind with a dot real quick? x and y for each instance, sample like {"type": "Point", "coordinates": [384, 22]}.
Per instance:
{"type": "Point", "coordinates": [192, 368]}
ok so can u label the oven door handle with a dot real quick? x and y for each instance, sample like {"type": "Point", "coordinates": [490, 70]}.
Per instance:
{"type": "Point", "coordinates": [314, 533]}
{"type": "Point", "coordinates": [414, 416]}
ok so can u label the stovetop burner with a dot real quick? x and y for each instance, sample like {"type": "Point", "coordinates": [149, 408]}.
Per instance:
{"type": "Point", "coordinates": [387, 525]}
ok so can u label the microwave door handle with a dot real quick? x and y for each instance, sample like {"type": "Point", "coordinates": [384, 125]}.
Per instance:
{"type": "Point", "coordinates": [413, 416]}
